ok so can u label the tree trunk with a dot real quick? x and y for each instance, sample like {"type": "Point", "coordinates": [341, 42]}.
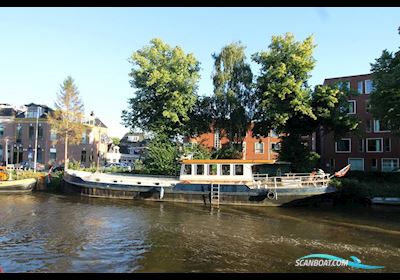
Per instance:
{"type": "Point", "coordinates": [66, 151]}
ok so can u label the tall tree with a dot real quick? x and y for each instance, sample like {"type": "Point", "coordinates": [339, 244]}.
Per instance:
{"type": "Point", "coordinates": [233, 80]}
{"type": "Point", "coordinates": [66, 120]}
{"type": "Point", "coordinates": [385, 96]}
{"type": "Point", "coordinates": [165, 80]}
{"type": "Point", "coordinates": [288, 105]}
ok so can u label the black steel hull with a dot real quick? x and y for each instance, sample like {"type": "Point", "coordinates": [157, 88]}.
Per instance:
{"type": "Point", "coordinates": [199, 194]}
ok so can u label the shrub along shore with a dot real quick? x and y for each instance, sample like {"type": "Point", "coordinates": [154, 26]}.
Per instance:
{"type": "Point", "coordinates": [359, 186]}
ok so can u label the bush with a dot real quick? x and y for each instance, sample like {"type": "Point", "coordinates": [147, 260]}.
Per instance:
{"type": "Point", "coordinates": [19, 175]}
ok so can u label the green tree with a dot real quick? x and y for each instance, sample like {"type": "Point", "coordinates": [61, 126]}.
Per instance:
{"type": "Point", "coordinates": [115, 140]}
{"type": "Point", "coordinates": [289, 106]}
{"type": "Point", "coordinates": [165, 80]}
{"type": "Point", "coordinates": [67, 119]}
{"type": "Point", "coordinates": [233, 81]}
{"type": "Point", "coordinates": [162, 156]}
{"type": "Point", "coordinates": [385, 97]}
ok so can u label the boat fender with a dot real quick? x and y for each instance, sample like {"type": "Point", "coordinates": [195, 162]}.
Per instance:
{"type": "Point", "coordinates": [162, 192]}
{"type": "Point", "coordinates": [271, 195]}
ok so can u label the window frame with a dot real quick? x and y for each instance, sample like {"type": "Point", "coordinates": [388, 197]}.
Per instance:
{"type": "Point", "coordinates": [365, 86]}
{"type": "Point", "coordinates": [354, 107]}
{"type": "Point", "coordinates": [379, 126]}
{"type": "Point", "coordinates": [382, 159]}
{"type": "Point", "coordinates": [362, 87]}
{"type": "Point", "coordinates": [222, 170]}
{"type": "Point", "coordinates": [374, 138]}
{"type": "Point", "coordinates": [255, 148]}
{"type": "Point", "coordinates": [363, 162]}
{"type": "Point", "coordinates": [343, 152]}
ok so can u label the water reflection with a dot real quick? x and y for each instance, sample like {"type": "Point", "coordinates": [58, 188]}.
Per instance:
{"type": "Point", "coordinates": [56, 233]}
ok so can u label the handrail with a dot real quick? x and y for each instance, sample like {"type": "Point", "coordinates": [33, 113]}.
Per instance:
{"type": "Point", "coordinates": [299, 181]}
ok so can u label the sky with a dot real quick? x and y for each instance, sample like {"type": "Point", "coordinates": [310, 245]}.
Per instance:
{"type": "Point", "coordinates": [40, 47]}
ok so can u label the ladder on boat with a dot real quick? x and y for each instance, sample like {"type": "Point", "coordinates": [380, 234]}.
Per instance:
{"type": "Point", "coordinates": [215, 189]}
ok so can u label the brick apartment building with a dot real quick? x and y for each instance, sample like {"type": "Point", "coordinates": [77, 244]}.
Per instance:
{"type": "Point", "coordinates": [18, 132]}
{"type": "Point", "coordinates": [373, 148]}
{"type": "Point", "coordinates": [253, 147]}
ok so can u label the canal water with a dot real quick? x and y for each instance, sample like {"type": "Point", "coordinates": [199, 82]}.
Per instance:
{"type": "Point", "coordinates": [43, 232]}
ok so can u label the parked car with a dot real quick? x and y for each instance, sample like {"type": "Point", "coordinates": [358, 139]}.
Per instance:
{"type": "Point", "coordinates": [29, 165]}
{"type": "Point", "coordinates": [118, 164]}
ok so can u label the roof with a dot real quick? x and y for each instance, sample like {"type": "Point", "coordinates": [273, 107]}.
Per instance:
{"type": "Point", "coordinates": [346, 77]}
{"type": "Point", "coordinates": [238, 161]}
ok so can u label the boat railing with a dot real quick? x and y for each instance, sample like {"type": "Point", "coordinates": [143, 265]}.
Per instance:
{"type": "Point", "coordinates": [292, 180]}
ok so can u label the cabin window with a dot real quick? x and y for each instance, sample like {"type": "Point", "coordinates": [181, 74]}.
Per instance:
{"type": "Point", "coordinates": [187, 169]}
{"type": "Point", "coordinates": [200, 169]}
{"type": "Point", "coordinates": [239, 169]}
{"type": "Point", "coordinates": [212, 169]}
{"type": "Point", "coordinates": [225, 169]}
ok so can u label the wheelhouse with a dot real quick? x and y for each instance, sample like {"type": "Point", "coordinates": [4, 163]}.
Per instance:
{"type": "Point", "coordinates": [220, 170]}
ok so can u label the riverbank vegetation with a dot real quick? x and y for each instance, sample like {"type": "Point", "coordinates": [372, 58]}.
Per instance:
{"type": "Point", "coordinates": [359, 185]}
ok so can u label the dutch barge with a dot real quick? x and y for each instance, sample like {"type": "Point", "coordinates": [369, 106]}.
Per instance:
{"type": "Point", "coordinates": [208, 182]}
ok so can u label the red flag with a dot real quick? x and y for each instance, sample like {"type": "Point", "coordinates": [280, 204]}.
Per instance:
{"type": "Point", "coordinates": [343, 171]}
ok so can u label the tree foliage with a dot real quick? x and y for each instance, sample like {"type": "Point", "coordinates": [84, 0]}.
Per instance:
{"type": "Point", "coordinates": [162, 156]}
{"type": "Point", "coordinates": [67, 119]}
{"type": "Point", "coordinates": [165, 80]}
{"type": "Point", "coordinates": [289, 106]}
{"type": "Point", "coordinates": [385, 97]}
{"type": "Point", "coordinates": [115, 140]}
{"type": "Point", "coordinates": [233, 80]}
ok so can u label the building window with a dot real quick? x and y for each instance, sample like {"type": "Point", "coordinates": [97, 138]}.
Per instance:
{"type": "Point", "coordinates": [53, 155]}
{"type": "Point", "coordinates": [361, 145]}
{"type": "Point", "coordinates": [368, 86]}
{"type": "Point", "coordinates": [199, 169]}
{"type": "Point", "coordinates": [1, 154]}
{"type": "Point", "coordinates": [273, 134]}
{"type": "Point", "coordinates": [368, 124]}
{"type": "Point", "coordinates": [367, 106]}
{"type": "Point", "coordinates": [84, 138]}
{"type": "Point", "coordinates": [19, 133]}
{"type": "Point", "coordinates": [374, 165]}
{"type": "Point", "coordinates": [360, 86]}
{"type": "Point", "coordinates": [345, 84]}
{"type": "Point", "coordinates": [31, 132]}
{"type": "Point", "coordinates": [374, 145]}
{"type": "Point", "coordinates": [53, 135]}
{"type": "Point", "coordinates": [217, 142]}
{"type": "Point", "coordinates": [40, 131]}
{"type": "Point", "coordinates": [17, 154]}
{"type": "Point", "coordinates": [352, 107]}
{"type": "Point", "coordinates": [238, 169]}
{"type": "Point", "coordinates": [83, 156]}
{"type": "Point", "coordinates": [1, 129]}
{"type": "Point", "coordinates": [40, 156]}
{"type": "Point", "coordinates": [225, 169]}
{"type": "Point", "coordinates": [387, 144]}
{"type": "Point", "coordinates": [33, 112]}
{"type": "Point", "coordinates": [212, 169]}
{"type": "Point", "coordinates": [187, 169]}
{"type": "Point", "coordinates": [259, 148]}
{"type": "Point", "coordinates": [390, 164]}
{"type": "Point", "coordinates": [343, 145]}
{"type": "Point", "coordinates": [275, 147]}
{"type": "Point", "coordinates": [133, 138]}
{"type": "Point", "coordinates": [380, 127]}
{"type": "Point", "coordinates": [357, 164]}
